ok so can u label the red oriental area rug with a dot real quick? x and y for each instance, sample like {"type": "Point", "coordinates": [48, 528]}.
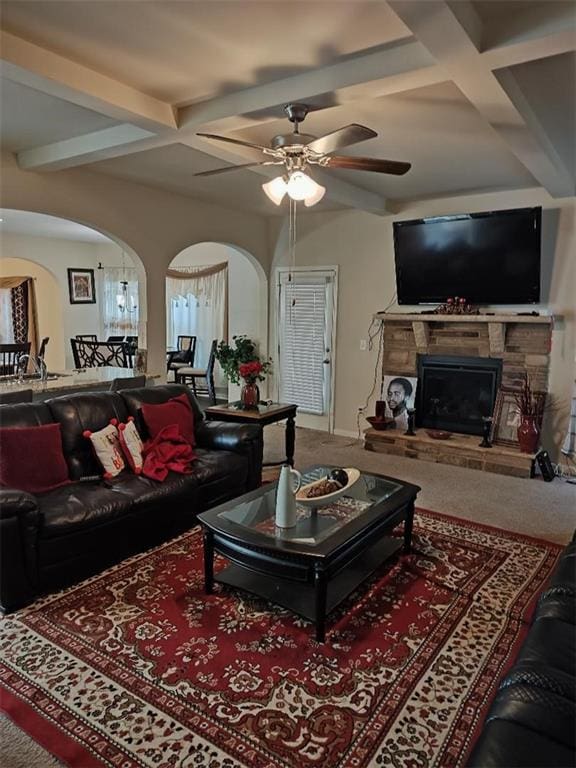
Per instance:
{"type": "Point", "coordinates": [137, 667]}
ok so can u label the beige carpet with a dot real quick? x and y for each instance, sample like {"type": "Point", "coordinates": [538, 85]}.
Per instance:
{"type": "Point", "coordinates": [532, 507]}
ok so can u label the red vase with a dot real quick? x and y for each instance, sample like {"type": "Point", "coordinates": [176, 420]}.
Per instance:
{"type": "Point", "coordinates": [528, 434]}
{"type": "Point", "coordinates": [249, 396]}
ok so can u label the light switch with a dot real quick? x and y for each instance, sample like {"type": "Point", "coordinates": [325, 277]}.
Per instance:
{"type": "Point", "coordinates": [363, 345]}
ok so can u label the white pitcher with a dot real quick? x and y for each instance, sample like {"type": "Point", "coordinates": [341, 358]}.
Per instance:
{"type": "Point", "coordinates": [286, 497]}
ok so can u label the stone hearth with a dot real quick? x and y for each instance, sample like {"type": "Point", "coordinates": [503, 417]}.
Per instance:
{"type": "Point", "coordinates": [522, 342]}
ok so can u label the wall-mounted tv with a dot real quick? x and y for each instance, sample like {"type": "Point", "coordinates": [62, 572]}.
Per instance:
{"type": "Point", "coordinates": [488, 258]}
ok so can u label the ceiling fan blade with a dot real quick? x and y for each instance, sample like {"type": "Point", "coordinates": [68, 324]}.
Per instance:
{"type": "Point", "coordinates": [238, 142]}
{"type": "Point", "coordinates": [368, 164]}
{"type": "Point", "coordinates": [216, 171]}
{"type": "Point", "coordinates": [343, 137]}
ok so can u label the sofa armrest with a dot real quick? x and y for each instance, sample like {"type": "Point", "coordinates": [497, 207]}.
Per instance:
{"type": "Point", "coordinates": [246, 439]}
{"type": "Point", "coordinates": [19, 517]}
{"type": "Point", "coordinates": [14, 502]}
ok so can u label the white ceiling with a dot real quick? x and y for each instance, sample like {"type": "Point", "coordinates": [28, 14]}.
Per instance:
{"type": "Point", "coordinates": [478, 96]}
{"type": "Point", "coordinates": [39, 225]}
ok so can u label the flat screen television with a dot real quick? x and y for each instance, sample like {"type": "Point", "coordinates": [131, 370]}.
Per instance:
{"type": "Point", "coordinates": [487, 258]}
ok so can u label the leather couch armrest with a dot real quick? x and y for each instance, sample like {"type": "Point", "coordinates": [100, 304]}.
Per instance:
{"type": "Point", "coordinates": [14, 502]}
{"type": "Point", "coordinates": [19, 517]}
{"type": "Point", "coordinates": [246, 439]}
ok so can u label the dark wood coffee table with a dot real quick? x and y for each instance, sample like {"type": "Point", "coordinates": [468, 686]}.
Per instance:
{"type": "Point", "coordinates": [266, 413]}
{"type": "Point", "coordinates": [312, 567]}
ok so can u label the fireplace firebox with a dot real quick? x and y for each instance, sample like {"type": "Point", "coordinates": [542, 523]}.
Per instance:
{"type": "Point", "coordinates": [455, 393]}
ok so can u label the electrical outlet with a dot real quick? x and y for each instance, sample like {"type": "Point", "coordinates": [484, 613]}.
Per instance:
{"type": "Point", "coordinates": [363, 345]}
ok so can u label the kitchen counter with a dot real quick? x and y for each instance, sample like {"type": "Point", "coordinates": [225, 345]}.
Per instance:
{"type": "Point", "coordinates": [66, 382]}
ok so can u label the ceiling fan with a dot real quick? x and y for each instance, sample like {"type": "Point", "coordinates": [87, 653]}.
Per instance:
{"type": "Point", "coordinates": [296, 151]}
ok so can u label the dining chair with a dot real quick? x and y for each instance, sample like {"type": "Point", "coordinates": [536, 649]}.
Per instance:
{"type": "Point", "coordinates": [183, 356]}
{"type": "Point", "coordinates": [97, 354]}
{"type": "Point", "coordinates": [86, 337]}
{"type": "Point", "coordinates": [187, 372]}
{"type": "Point", "coordinates": [19, 396]}
{"type": "Point", "coordinates": [130, 382]}
{"type": "Point", "coordinates": [9, 356]}
{"type": "Point", "coordinates": [115, 338]}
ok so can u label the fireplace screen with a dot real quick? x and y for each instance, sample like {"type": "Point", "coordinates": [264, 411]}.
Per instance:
{"type": "Point", "coordinates": [454, 393]}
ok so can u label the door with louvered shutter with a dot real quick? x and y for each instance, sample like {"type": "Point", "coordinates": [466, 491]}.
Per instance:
{"type": "Point", "coordinates": [306, 301]}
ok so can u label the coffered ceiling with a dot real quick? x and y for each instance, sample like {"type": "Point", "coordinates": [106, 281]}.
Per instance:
{"type": "Point", "coordinates": [478, 96]}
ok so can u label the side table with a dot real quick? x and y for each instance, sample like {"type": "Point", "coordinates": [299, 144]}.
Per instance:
{"type": "Point", "coordinates": [265, 414]}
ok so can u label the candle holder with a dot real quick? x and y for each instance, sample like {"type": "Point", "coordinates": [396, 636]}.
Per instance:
{"type": "Point", "coordinates": [410, 430]}
{"type": "Point", "coordinates": [486, 428]}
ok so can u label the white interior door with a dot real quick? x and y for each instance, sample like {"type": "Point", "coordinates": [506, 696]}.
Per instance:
{"type": "Point", "coordinates": [306, 326]}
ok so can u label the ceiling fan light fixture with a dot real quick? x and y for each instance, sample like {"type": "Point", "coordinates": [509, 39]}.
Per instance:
{"type": "Point", "coordinates": [314, 198]}
{"type": "Point", "coordinates": [300, 186]}
{"type": "Point", "coordinates": [275, 189]}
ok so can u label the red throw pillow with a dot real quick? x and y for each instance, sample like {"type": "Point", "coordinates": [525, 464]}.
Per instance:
{"type": "Point", "coordinates": [177, 410]}
{"type": "Point", "coordinates": [31, 458]}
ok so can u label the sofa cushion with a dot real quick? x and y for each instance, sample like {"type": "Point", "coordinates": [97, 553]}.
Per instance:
{"type": "Point", "coordinates": [79, 505]}
{"type": "Point", "coordinates": [106, 445]}
{"type": "Point", "coordinates": [221, 475]}
{"type": "Point", "coordinates": [131, 444]}
{"type": "Point", "coordinates": [177, 410]}
{"type": "Point", "coordinates": [25, 415]}
{"type": "Point", "coordinates": [80, 412]}
{"type": "Point", "coordinates": [135, 398]}
{"type": "Point", "coordinates": [31, 458]}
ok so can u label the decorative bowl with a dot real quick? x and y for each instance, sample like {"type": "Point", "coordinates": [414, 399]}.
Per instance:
{"type": "Point", "coordinates": [438, 434]}
{"type": "Point", "coordinates": [321, 501]}
{"type": "Point", "coordinates": [380, 424]}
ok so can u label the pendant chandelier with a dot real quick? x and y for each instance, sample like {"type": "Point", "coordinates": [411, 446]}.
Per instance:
{"type": "Point", "coordinates": [125, 301]}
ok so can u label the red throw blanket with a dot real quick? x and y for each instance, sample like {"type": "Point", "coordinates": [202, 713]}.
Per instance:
{"type": "Point", "coordinates": [168, 451]}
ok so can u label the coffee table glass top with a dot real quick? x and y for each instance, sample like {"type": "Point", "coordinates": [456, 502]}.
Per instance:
{"type": "Point", "coordinates": [313, 526]}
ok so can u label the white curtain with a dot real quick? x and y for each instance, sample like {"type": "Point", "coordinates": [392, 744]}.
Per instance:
{"type": "Point", "coordinates": [6, 326]}
{"type": "Point", "coordinates": [117, 322]}
{"type": "Point", "coordinates": [197, 305]}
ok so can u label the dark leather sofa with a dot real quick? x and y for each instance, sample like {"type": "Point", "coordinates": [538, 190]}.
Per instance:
{"type": "Point", "coordinates": [532, 720]}
{"type": "Point", "coordinates": [54, 539]}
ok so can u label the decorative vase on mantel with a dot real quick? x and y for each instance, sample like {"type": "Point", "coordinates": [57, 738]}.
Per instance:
{"type": "Point", "coordinates": [249, 396]}
{"type": "Point", "coordinates": [528, 434]}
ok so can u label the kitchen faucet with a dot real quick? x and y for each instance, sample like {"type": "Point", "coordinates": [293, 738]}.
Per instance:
{"type": "Point", "coordinates": [39, 367]}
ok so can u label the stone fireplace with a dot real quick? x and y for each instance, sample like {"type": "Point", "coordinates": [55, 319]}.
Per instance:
{"type": "Point", "coordinates": [456, 393]}
{"type": "Point", "coordinates": [484, 352]}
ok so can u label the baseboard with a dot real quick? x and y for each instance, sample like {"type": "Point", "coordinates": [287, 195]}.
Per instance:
{"type": "Point", "coordinates": [347, 433]}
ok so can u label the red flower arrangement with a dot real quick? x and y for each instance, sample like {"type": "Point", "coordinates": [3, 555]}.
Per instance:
{"type": "Point", "coordinates": [251, 372]}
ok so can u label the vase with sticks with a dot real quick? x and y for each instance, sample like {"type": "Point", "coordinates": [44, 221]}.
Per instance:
{"type": "Point", "coordinates": [530, 405]}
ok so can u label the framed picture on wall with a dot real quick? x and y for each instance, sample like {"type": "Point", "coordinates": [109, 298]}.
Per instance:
{"type": "Point", "coordinates": [81, 286]}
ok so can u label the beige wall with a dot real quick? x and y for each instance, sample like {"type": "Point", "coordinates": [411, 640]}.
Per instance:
{"type": "Point", "coordinates": [153, 225]}
{"type": "Point", "coordinates": [362, 247]}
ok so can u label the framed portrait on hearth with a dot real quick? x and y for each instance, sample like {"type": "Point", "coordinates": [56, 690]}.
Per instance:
{"type": "Point", "coordinates": [81, 287]}
{"type": "Point", "coordinates": [398, 395]}
{"type": "Point", "coordinates": [506, 418]}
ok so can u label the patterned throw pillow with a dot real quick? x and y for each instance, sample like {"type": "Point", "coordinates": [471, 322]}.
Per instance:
{"type": "Point", "coordinates": [131, 444]}
{"type": "Point", "coordinates": [107, 448]}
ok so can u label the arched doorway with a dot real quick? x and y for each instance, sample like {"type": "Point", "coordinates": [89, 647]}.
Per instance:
{"type": "Point", "coordinates": [50, 245]}
{"type": "Point", "coordinates": [247, 299]}
{"type": "Point", "coordinates": [49, 301]}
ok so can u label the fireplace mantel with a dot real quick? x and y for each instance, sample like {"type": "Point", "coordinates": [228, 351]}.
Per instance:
{"type": "Point", "coordinates": [497, 325]}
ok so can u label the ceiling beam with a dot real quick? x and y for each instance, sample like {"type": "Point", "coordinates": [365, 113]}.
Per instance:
{"type": "Point", "coordinates": [56, 156]}
{"type": "Point", "coordinates": [401, 66]}
{"type": "Point", "coordinates": [401, 60]}
{"type": "Point", "coordinates": [48, 72]}
{"type": "Point", "coordinates": [445, 30]}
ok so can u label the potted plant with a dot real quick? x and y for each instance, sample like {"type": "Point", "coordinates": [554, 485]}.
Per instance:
{"type": "Point", "coordinates": [530, 406]}
{"type": "Point", "coordinates": [241, 362]}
